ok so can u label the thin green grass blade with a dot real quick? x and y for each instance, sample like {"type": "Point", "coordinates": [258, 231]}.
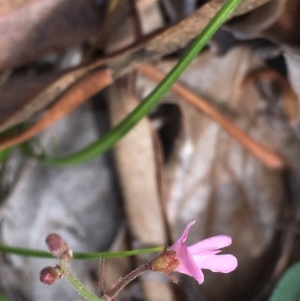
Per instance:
{"type": "Point", "coordinates": [94, 255]}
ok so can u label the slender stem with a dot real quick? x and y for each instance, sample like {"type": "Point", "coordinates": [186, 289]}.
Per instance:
{"type": "Point", "coordinates": [81, 289]}
{"type": "Point", "coordinates": [113, 6]}
{"type": "Point", "coordinates": [114, 135]}
{"type": "Point", "coordinates": [137, 26]}
{"type": "Point", "coordinates": [101, 276]}
{"type": "Point", "coordinates": [111, 293]}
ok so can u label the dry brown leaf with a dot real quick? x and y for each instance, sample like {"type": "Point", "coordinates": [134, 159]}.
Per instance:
{"type": "Point", "coordinates": [211, 179]}
{"type": "Point", "coordinates": [293, 63]}
{"type": "Point", "coordinates": [279, 22]}
{"type": "Point", "coordinates": [136, 163]}
{"type": "Point", "coordinates": [17, 94]}
{"type": "Point", "coordinates": [9, 6]}
{"type": "Point", "coordinates": [119, 37]}
{"type": "Point", "coordinates": [36, 28]}
{"type": "Point", "coordinates": [259, 19]}
{"type": "Point", "coordinates": [86, 88]}
{"type": "Point", "coordinates": [150, 48]}
{"type": "Point", "coordinates": [267, 157]}
{"type": "Point", "coordinates": [286, 28]}
{"type": "Point", "coordinates": [144, 5]}
{"type": "Point", "coordinates": [278, 90]}
{"type": "Point", "coordinates": [51, 93]}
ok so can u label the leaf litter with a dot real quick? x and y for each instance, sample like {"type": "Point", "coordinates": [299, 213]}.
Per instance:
{"type": "Point", "coordinates": [147, 195]}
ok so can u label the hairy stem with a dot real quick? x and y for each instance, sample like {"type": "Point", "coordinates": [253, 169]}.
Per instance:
{"type": "Point", "coordinates": [111, 293]}
{"type": "Point", "coordinates": [80, 288]}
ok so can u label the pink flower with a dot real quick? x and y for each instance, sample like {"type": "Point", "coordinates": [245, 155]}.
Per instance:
{"type": "Point", "coordinates": [203, 255]}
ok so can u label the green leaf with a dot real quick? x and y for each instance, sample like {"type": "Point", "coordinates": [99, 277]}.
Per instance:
{"type": "Point", "coordinates": [288, 287]}
{"type": "Point", "coordinates": [3, 298]}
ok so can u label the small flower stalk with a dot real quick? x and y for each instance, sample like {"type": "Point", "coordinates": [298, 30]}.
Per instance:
{"type": "Point", "coordinates": [190, 260]}
{"type": "Point", "coordinates": [60, 249]}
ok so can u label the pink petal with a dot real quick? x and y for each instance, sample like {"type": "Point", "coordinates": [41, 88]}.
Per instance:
{"type": "Point", "coordinates": [210, 244]}
{"type": "Point", "coordinates": [216, 263]}
{"type": "Point", "coordinates": [203, 255]}
{"type": "Point", "coordinates": [181, 240]}
{"type": "Point", "coordinates": [186, 232]}
{"type": "Point", "coordinates": [187, 265]}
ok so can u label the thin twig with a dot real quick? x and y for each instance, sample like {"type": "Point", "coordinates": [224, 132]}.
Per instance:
{"type": "Point", "coordinates": [137, 26]}
{"type": "Point", "coordinates": [79, 286]}
{"type": "Point", "coordinates": [113, 6]}
{"type": "Point", "coordinates": [75, 96]}
{"type": "Point", "coordinates": [266, 156]}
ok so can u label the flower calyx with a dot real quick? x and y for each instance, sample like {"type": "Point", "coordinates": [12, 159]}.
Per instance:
{"type": "Point", "coordinates": [165, 263]}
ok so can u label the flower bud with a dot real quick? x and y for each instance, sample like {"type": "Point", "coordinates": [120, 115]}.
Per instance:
{"type": "Point", "coordinates": [50, 275]}
{"type": "Point", "coordinates": [58, 247]}
{"type": "Point", "coordinates": [165, 262]}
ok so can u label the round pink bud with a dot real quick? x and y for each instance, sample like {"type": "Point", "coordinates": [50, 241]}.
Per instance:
{"type": "Point", "coordinates": [49, 275]}
{"type": "Point", "coordinates": [57, 246]}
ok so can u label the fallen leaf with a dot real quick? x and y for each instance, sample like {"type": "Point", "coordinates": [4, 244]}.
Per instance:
{"type": "Point", "coordinates": [9, 6]}
{"type": "Point", "coordinates": [36, 28]}
{"type": "Point", "coordinates": [211, 179]}
{"type": "Point", "coordinates": [149, 48]}
{"type": "Point", "coordinates": [85, 89]}
{"type": "Point", "coordinates": [138, 173]}
{"type": "Point", "coordinates": [18, 92]}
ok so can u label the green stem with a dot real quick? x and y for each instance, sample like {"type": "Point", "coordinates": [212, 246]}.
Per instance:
{"type": "Point", "coordinates": [94, 255]}
{"type": "Point", "coordinates": [81, 289]}
{"type": "Point", "coordinates": [113, 136]}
